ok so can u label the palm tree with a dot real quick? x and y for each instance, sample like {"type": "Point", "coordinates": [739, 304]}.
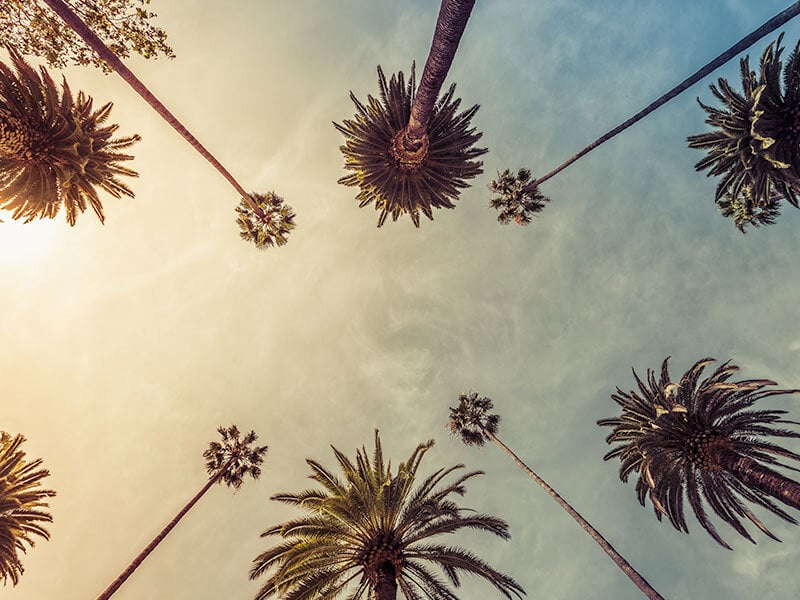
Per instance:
{"type": "Point", "coordinates": [531, 190]}
{"type": "Point", "coordinates": [261, 220]}
{"type": "Point", "coordinates": [22, 505]}
{"type": "Point", "coordinates": [228, 461]}
{"type": "Point", "coordinates": [408, 152]}
{"type": "Point", "coordinates": [754, 145]}
{"type": "Point", "coordinates": [473, 423]}
{"type": "Point", "coordinates": [701, 439]}
{"type": "Point", "coordinates": [370, 533]}
{"type": "Point", "coordinates": [55, 149]}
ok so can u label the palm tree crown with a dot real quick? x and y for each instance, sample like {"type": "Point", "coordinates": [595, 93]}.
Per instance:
{"type": "Point", "coordinates": [755, 144]}
{"type": "Point", "coordinates": [369, 532]}
{"type": "Point", "coordinates": [701, 439]}
{"type": "Point", "coordinates": [234, 456]}
{"type": "Point", "coordinates": [408, 151]}
{"type": "Point", "coordinates": [394, 183]}
{"type": "Point", "coordinates": [22, 504]}
{"type": "Point", "coordinates": [269, 228]}
{"type": "Point", "coordinates": [516, 199]}
{"type": "Point", "coordinates": [54, 149]}
{"type": "Point", "coordinates": [471, 421]}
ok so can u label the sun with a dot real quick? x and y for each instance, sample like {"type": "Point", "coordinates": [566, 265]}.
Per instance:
{"type": "Point", "coordinates": [24, 244]}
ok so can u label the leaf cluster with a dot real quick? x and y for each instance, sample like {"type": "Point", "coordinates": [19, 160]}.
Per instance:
{"type": "Point", "coordinates": [124, 25]}
{"type": "Point", "coordinates": [270, 227]}
{"type": "Point", "coordinates": [235, 456]}
{"type": "Point", "coordinates": [385, 182]}
{"type": "Point", "coordinates": [518, 198]}
{"type": "Point", "coordinates": [55, 150]}
{"type": "Point", "coordinates": [22, 505]}
{"type": "Point", "coordinates": [372, 519]}
{"type": "Point", "coordinates": [755, 144]}
{"type": "Point", "coordinates": [662, 426]}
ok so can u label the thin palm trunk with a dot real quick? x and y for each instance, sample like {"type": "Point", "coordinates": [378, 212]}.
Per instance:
{"type": "Point", "coordinates": [450, 25]}
{"type": "Point", "coordinates": [104, 52]}
{"type": "Point", "coordinates": [115, 585]}
{"type": "Point", "coordinates": [752, 473]}
{"type": "Point", "coordinates": [623, 564]}
{"type": "Point", "coordinates": [740, 46]}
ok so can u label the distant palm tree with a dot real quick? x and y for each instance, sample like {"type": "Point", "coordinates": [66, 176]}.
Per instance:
{"type": "Point", "coordinates": [228, 461]}
{"type": "Point", "coordinates": [408, 152]}
{"type": "Point", "coordinates": [755, 145]}
{"type": "Point", "coordinates": [369, 533]}
{"type": "Point", "coordinates": [54, 149]}
{"type": "Point", "coordinates": [473, 423]}
{"type": "Point", "coordinates": [531, 190]}
{"type": "Point", "coordinates": [22, 505]}
{"type": "Point", "coordinates": [701, 439]}
{"type": "Point", "coordinates": [262, 220]}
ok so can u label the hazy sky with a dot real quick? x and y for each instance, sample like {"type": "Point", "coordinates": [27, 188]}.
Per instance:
{"type": "Point", "coordinates": [125, 346]}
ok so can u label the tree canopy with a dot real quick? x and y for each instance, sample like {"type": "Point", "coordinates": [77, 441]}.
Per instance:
{"type": "Point", "coordinates": [32, 28]}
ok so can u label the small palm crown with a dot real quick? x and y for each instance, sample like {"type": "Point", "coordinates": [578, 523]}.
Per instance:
{"type": "Point", "coordinates": [755, 145]}
{"type": "Point", "coordinates": [470, 420]}
{"type": "Point", "coordinates": [22, 504]}
{"type": "Point", "coordinates": [54, 149]}
{"type": "Point", "coordinates": [270, 227]}
{"type": "Point", "coordinates": [373, 527]}
{"type": "Point", "coordinates": [701, 439]}
{"type": "Point", "coordinates": [519, 198]}
{"type": "Point", "coordinates": [399, 183]}
{"type": "Point", "coordinates": [235, 456]}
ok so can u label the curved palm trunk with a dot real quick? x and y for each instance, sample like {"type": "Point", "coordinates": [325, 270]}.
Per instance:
{"type": "Point", "coordinates": [752, 473]}
{"type": "Point", "coordinates": [720, 60]}
{"type": "Point", "coordinates": [623, 564]}
{"type": "Point", "coordinates": [115, 585]}
{"type": "Point", "coordinates": [96, 44]}
{"type": "Point", "coordinates": [453, 17]}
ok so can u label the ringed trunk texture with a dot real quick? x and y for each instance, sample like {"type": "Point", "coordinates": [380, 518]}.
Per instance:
{"type": "Point", "coordinates": [117, 583]}
{"type": "Point", "coordinates": [618, 559]}
{"type": "Point", "coordinates": [453, 17]}
{"type": "Point", "coordinates": [753, 473]}
{"type": "Point", "coordinates": [104, 52]}
{"type": "Point", "coordinates": [385, 582]}
{"type": "Point", "coordinates": [740, 46]}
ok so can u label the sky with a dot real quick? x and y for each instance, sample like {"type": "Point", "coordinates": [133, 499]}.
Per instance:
{"type": "Point", "coordinates": [125, 345]}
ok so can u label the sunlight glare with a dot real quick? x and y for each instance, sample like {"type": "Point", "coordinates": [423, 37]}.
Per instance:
{"type": "Point", "coordinates": [23, 244]}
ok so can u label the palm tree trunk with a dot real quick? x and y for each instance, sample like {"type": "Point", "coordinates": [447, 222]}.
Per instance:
{"type": "Point", "coordinates": [720, 60]}
{"type": "Point", "coordinates": [453, 17]}
{"type": "Point", "coordinates": [756, 475]}
{"type": "Point", "coordinates": [104, 52]}
{"type": "Point", "coordinates": [623, 564]}
{"type": "Point", "coordinates": [386, 582]}
{"type": "Point", "coordinates": [115, 585]}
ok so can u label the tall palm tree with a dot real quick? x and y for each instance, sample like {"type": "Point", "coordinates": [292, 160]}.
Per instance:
{"type": "Point", "coordinates": [55, 149]}
{"type": "Point", "coordinates": [22, 505]}
{"type": "Point", "coordinates": [264, 222]}
{"type": "Point", "coordinates": [530, 191]}
{"type": "Point", "coordinates": [369, 534]}
{"type": "Point", "coordinates": [408, 152]}
{"type": "Point", "coordinates": [755, 141]}
{"type": "Point", "coordinates": [228, 461]}
{"type": "Point", "coordinates": [474, 424]}
{"type": "Point", "coordinates": [703, 440]}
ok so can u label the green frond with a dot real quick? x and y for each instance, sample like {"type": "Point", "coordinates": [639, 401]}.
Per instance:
{"type": "Point", "coordinates": [378, 519]}
{"type": "Point", "coordinates": [518, 198]}
{"type": "Point", "coordinates": [235, 457]}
